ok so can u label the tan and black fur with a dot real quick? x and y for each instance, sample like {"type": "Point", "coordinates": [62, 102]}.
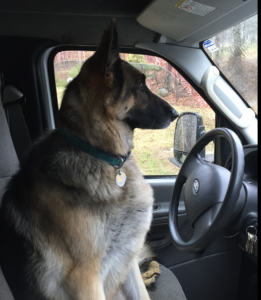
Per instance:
{"type": "Point", "coordinates": [68, 230]}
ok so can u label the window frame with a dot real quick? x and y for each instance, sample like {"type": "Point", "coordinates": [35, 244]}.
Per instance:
{"type": "Point", "coordinates": [222, 74]}
{"type": "Point", "coordinates": [222, 147]}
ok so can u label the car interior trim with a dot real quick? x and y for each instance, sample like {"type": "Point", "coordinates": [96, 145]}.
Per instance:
{"type": "Point", "coordinates": [45, 90]}
{"type": "Point", "coordinates": [209, 79]}
{"type": "Point", "coordinates": [193, 61]}
{"type": "Point", "coordinates": [163, 15]}
{"type": "Point", "coordinates": [228, 20]}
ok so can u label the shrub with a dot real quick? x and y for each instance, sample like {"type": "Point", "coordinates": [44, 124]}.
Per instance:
{"type": "Point", "coordinates": [152, 68]}
{"type": "Point", "coordinates": [136, 58]}
{"type": "Point", "coordinates": [75, 71]}
{"type": "Point", "coordinates": [60, 82]}
{"type": "Point", "coordinates": [146, 67]}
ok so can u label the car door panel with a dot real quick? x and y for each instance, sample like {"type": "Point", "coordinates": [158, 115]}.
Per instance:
{"type": "Point", "coordinates": [212, 277]}
{"type": "Point", "coordinates": [199, 274]}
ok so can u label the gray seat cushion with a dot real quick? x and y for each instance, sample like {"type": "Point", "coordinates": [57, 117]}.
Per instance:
{"type": "Point", "coordinates": [167, 287]}
{"type": "Point", "coordinates": [5, 293]}
{"type": "Point", "coordinates": [8, 165]}
{"type": "Point", "coordinates": [8, 158]}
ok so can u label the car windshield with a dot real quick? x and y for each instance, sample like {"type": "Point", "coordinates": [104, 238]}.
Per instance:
{"type": "Point", "coordinates": [234, 51]}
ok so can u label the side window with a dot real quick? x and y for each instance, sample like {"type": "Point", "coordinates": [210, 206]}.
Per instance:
{"type": "Point", "coordinates": [154, 149]}
{"type": "Point", "coordinates": [235, 53]}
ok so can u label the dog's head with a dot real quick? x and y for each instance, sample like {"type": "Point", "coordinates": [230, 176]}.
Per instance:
{"type": "Point", "coordinates": [109, 99]}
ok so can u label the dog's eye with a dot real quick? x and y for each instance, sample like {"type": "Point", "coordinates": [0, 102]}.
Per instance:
{"type": "Point", "coordinates": [142, 86]}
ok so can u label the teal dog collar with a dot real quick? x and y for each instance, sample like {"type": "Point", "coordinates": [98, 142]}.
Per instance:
{"type": "Point", "coordinates": [116, 161]}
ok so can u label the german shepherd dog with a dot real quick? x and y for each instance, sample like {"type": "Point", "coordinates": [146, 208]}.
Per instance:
{"type": "Point", "coordinates": [69, 231]}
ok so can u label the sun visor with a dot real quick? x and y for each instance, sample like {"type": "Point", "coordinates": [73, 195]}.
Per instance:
{"type": "Point", "coordinates": [178, 19]}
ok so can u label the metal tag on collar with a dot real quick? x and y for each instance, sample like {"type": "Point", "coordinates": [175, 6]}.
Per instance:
{"type": "Point", "coordinates": [121, 176]}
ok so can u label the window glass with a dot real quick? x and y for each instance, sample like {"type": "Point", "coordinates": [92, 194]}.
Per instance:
{"type": "Point", "coordinates": [234, 51]}
{"type": "Point", "coordinates": [154, 149]}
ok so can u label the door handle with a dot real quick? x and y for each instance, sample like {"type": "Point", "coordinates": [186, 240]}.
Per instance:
{"type": "Point", "coordinates": [152, 237]}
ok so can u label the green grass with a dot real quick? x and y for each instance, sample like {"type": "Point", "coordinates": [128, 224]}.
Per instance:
{"type": "Point", "coordinates": [153, 148]}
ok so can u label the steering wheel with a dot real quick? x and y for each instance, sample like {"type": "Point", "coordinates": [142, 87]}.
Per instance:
{"type": "Point", "coordinates": [210, 192]}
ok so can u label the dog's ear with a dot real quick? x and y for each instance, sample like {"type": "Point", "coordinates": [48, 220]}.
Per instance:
{"type": "Point", "coordinates": [108, 53]}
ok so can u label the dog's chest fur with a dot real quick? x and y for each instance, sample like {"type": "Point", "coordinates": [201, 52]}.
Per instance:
{"type": "Point", "coordinates": [96, 222]}
{"type": "Point", "coordinates": [125, 232]}
{"type": "Point", "coordinates": [124, 236]}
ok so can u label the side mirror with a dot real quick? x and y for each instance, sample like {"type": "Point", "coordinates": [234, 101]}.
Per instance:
{"type": "Point", "coordinates": [189, 129]}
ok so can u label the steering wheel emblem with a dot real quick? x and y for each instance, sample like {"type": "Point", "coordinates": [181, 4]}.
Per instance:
{"type": "Point", "coordinates": [195, 186]}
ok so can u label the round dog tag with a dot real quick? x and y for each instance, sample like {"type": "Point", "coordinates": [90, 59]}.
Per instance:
{"type": "Point", "coordinates": [121, 179]}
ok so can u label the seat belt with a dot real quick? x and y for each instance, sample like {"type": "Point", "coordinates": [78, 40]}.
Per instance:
{"type": "Point", "coordinates": [12, 99]}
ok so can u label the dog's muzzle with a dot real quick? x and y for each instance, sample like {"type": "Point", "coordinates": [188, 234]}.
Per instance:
{"type": "Point", "coordinates": [171, 112]}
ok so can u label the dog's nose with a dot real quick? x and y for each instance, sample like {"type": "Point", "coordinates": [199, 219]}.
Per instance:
{"type": "Point", "coordinates": [172, 112]}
